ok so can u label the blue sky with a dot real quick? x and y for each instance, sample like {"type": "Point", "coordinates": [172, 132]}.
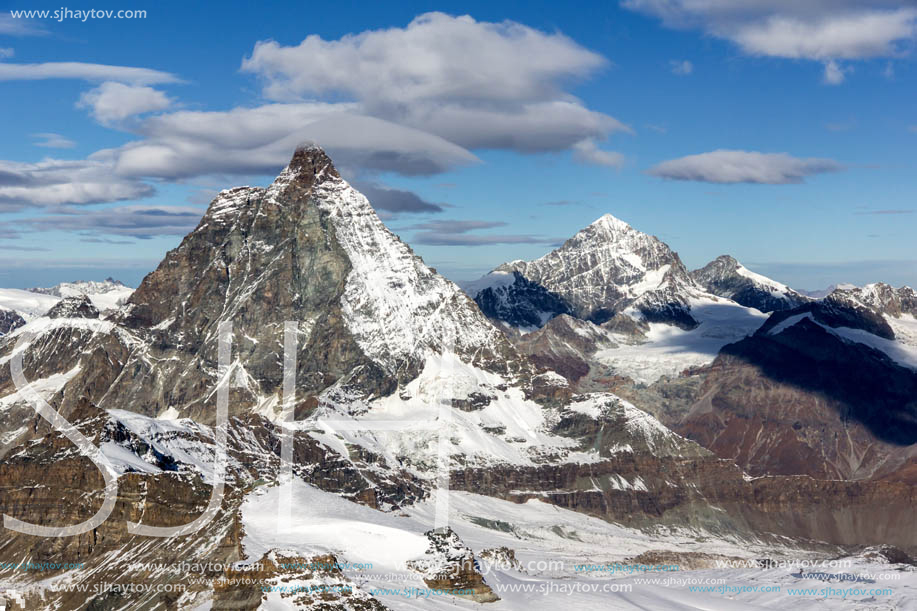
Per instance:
{"type": "Point", "coordinates": [780, 132]}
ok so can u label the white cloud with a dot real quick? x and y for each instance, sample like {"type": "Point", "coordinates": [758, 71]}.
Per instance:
{"type": "Point", "coordinates": [54, 182]}
{"type": "Point", "coordinates": [112, 102]}
{"type": "Point", "coordinates": [7, 52]}
{"type": "Point", "coordinates": [681, 67]}
{"type": "Point", "coordinates": [855, 35]}
{"type": "Point", "coordinates": [435, 57]}
{"type": "Point", "coordinates": [20, 27]}
{"type": "Point", "coordinates": [410, 100]}
{"type": "Point", "coordinates": [821, 30]}
{"type": "Point", "coordinates": [725, 166]}
{"type": "Point", "coordinates": [476, 84]}
{"type": "Point", "coordinates": [53, 141]}
{"type": "Point", "coordinates": [588, 152]}
{"type": "Point", "coordinates": [84, 71]}
{"type": "Point", "coordinates": [834, 74]}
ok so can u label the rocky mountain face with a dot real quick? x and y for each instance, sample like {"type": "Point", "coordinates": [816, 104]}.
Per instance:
{"type": "Point", "coordinates": [400, 377]}
{"type": "Point", "coordinates": [879, 297]}
{"type": "Point", "coordinates": [603, 270]}
{"type": "Point", "coordinates": [511, 298]}
{"type": "Point", "coordinates": [800, 399]}
{"type": "Point", "coordinates": [726, 277]}
{"type": "Point", "coordinates": [309, 248]}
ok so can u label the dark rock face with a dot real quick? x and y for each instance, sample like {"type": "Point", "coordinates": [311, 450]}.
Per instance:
{"type": "Point", "coordinates": [834, 314]}
{"type": "Point", "coordinates": [563, 345]}
{"type": "Point", "coordinates": [258, 261]}
{"type": "Point", "coordinates": [73, 307]}
{"type": "Point", "coordinates": [803, 401]}
{"type": "Point", "coordinates": [521, 304]}
{"type": "Point", "coordinates": [9, 321]}
{"type": "Point", "coordinates": [723, 277]}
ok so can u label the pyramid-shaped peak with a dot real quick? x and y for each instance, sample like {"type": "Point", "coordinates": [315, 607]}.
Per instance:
{"type": "Point", "coordinates": [610, 222]}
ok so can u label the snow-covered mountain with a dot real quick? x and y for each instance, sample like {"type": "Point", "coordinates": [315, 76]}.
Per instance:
{"type": "Point", "coordinates": [820, 293]}
{"type": "Point", "coordinates": [726, 277]}
{"type": "Point", "coordinates": [105, 294]}
{"type": "Point", "coordinates": [26, 304]}
{"type": "Point", "coordinates": [609, 268]}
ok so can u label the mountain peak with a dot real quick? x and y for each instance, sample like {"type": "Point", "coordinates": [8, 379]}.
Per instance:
{"type": "Point", "coordinates": [310, 164]}
{"type": "Point", "coordinates": [608, 267]}
{"type": "Point", "coordinates": [726, 277]}
{"type": "Point", "coordinates": [727, 261]}
{"type": "Point", "coordinates": [310, 249]}
{"type": "Point", "coordinates": [610, 222]}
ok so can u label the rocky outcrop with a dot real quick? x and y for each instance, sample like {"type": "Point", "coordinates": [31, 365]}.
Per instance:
{"type": "Point", "coordinates": [73, 307]}
{"type": "Point", "coordinates": [449, 567]}
{"type": "Point", "coordinates": [315, 583]}
{"type": "Point", "coordinates": [564, 345]}
{"type": "Point", "coordinates": [9, 321]}
{"type": "Point", "coordinates": [521, 303]}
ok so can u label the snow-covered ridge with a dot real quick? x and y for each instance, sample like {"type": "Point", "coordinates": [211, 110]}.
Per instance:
{"type": "Point", "coordinates": [395, 306]}
{"type": "Point", "coordinates": [726, 277]}
{"type": "Point", "coordinates": [901, 350]}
